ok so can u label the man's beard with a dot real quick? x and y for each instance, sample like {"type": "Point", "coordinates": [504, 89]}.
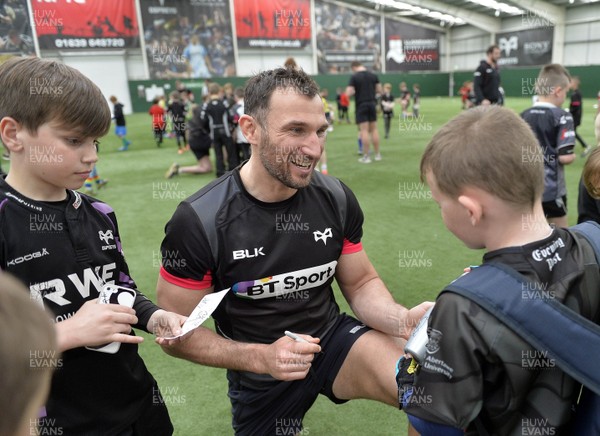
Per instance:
{"type": "Point", "coordinates": [277, 165]}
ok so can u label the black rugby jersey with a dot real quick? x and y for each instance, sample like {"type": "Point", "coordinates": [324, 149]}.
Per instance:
{"type": "Point", "coordinates": [364, 83]}
{"type": "Point", "coordinates": [553, 128]}
{"type": "Point", "coordinates": [63, 251]}
{"type": "Point", "coordinates": [576, 106]}
{"type": "Point", "coordinates": [216, 118]}
{"type": "Point", "coordinates": [486, 83]}
{"type": "Point", "coordinates": [118, 114]}
{"type": "Point", "coordinates": [279, 259]}
{"type": "Point", "coordinates": [390, 99]}
{"type": "Point", "coordinates": [475, 366]}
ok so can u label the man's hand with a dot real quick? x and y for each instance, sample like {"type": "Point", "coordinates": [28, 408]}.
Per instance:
{"type": "Point", "coordinates": [287, 359]}
{"type": "Point", "coordinates": [165, 324]}
{"type": "Point", "coordinates": [96, 324]}
{"type": "Point", "coordinates": [412, 318]}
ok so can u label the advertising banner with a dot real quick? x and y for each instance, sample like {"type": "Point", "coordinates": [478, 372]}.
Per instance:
{"type": "Point", "coordinates": [16, 36]}
{"type": "Point", "coordinates": [345, 35]}
{"type": "Point", "coordinates": [410, 48]}
{"type": "Point", "coordinates": [85, 24]}
{"type": "Point", "coordinates": [526, 47]}
{"type": "Point", "coordinates": [188, 39]}
{"type": "Point", "coordinates": [272, 24]}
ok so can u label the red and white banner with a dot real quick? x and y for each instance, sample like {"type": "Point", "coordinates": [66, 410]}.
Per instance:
{"type": "Point", "coordinates": [272, 24]}
{"type": "Point", "coordinates": [85, 24]}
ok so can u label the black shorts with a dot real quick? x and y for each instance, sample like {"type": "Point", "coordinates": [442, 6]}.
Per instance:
{"type": "Point", "coordinates": [200, 145]}
{"type": "Point", "coordinates": [555, 208]}
{"type": "Point", "coordinates": [366, 112]}
{"type": "Point", "coordinates": [280, 408]}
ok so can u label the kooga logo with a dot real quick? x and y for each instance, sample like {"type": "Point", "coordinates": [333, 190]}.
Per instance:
{"type": "Point", "coordinates": [247, 254]}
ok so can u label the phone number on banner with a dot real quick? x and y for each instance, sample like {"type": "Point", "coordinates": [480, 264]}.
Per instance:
{"type": "Point", "coordinates": [91, 42]}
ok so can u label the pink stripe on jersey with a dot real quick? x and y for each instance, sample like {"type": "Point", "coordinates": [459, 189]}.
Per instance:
{"type": "Point", "coordinates": [195, 285]}
{"type": "Point", "coordinates": [351, 247]}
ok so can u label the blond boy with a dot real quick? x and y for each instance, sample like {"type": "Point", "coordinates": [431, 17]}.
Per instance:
{"type": "Point", "coordinates": [478, 376]}
{"type": "Point", "coordinates": [555, 132]}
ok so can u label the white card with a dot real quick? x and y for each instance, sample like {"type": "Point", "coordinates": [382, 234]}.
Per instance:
{"type": "Point", "coordinates": [203, 310]}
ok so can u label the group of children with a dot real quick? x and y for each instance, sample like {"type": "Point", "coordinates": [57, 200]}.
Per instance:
{"type": "Point", "coordinates": [175, 112]}
{"type": "Point", "coordinates": [388, 101]}
{"type": "Point", "coordinates": [213, 125]}
{"type": "Point", "coordinates": [486, 178]}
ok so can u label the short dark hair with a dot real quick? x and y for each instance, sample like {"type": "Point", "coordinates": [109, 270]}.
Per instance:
{"type": "Point", "coordinates": [491, 48]}
{"type": "Point", "coordinates": [259, 89]}
{"type": "Point", "coordinates": [355, 64]}
{"type": "Point", "coordinates": [36, 91]}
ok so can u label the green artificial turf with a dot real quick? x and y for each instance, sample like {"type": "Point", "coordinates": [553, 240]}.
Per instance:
{"type": "Point", "coordinates": [403, 235]}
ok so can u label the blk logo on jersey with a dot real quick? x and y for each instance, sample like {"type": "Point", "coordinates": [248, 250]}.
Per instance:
{"type": "Point", "coordinates": [248, 254]}
{"type": "Point", "coordinates": [281, 284]}
{"type": "Point", "coordinates": [323, 236]}
{"type": "Point", "coordinates": [105, 237]}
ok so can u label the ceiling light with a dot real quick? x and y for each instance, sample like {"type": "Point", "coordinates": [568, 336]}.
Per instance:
{"type": "Point", "coordinates": [450, 19]}
{"type": "Point", "coordinates": [498, 6]}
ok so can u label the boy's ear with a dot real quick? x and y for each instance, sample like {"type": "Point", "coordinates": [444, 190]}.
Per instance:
{"type": "Point", "coordinates": [9, 127]}
{"type": "Point", "coordinates": [472, 206]}
{"type": "Point", "coordinates": [250, 128]}
{"type": "Point", "coordinates": [559, 88]}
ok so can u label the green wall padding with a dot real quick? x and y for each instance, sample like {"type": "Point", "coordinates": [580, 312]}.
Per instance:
{"type": "Point", "coordinates": [517, 82]}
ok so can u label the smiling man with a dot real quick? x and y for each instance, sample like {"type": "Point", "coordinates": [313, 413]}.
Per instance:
{"type": "Point", "coordinates": [237, 233]}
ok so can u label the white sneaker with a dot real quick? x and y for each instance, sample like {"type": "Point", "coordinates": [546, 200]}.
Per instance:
{"type": "Point", "coordinates": [172, 171]}
{"type": "Point", "coordinates": [378, 157]}
{"type": "Point", "coordinates": [365, 159]}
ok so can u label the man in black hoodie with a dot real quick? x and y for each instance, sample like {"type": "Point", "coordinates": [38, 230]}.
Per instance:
{"type": "Point", "coordinates": [486, 83]}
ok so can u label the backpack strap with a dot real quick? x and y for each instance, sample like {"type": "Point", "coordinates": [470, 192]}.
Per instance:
{"type": "Point", "coordinates": [572, 340]}
{"type": "Point", "coordinates": [588, 234]}
{"type": "Point", "coordinates": [590, 230]}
